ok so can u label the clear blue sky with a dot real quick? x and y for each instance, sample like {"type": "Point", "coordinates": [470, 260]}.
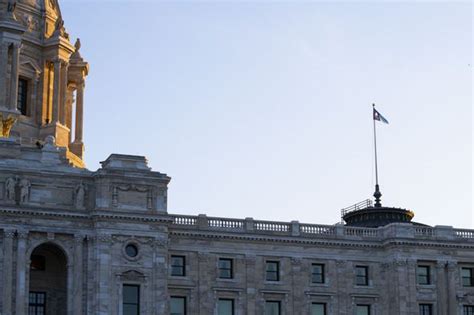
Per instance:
{"type": "Point", "coordinates": [263, 109]}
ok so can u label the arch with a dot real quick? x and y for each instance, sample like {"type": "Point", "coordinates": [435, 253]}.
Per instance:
{"type": "Point", "coordinates": [48, 278]}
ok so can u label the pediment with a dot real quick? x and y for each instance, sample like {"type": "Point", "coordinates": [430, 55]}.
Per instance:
{"type": "Point", "coordinates": [132, 275]}
{"type": "Point", "coordinates": [30, 65]}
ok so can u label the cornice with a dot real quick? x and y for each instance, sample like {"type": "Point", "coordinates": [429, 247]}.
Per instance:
{"type": "Point", "coordinates": [278, 239]}
{"type": "Point", "coordinates": [350, 243]}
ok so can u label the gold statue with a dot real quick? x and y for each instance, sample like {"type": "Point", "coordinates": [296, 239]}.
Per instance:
{"type": "Point", "coordinates": [6, 125]}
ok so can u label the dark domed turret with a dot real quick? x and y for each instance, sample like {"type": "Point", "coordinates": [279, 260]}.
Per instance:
{"type": "Point", "coordinates": [364, 214]}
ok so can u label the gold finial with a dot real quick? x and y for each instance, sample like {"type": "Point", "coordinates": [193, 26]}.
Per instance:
{"type": "Point", "coordinates": [6, 125]}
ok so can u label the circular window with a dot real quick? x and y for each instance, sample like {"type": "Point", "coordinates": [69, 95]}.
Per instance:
{"type": "Point", "coordinates": [131, 250]}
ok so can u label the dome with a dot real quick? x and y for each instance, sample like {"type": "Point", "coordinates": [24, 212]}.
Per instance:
{"type": "Point", "coordinates": [40, 17]}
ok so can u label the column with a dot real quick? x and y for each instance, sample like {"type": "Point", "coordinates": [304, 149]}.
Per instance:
{"type": "Point", "coordinates": [56, 90]}
{"type": "Point", "coordinates": [441, 287]}
{"type": "Point", "coordinates": [251, 285]}
{"type": "Point", "coordinates": [63, 93]}
{"type": "Point", "coordinates": [78, 272]}
{"type": "Point", "coordinates": [14, 76]}
{"type": "Point", "coordinates": [3, 73]}
{"type": "Point", "coordinates": [452, 280]}
{"type": "Point", "coordinates": [21, 287]}
{"type": "Point", "coordinates": [8, 236]}
{"type": "Point", "coordinates": [103, 275]}
{"type": "Point", "coordinates": [79, 112]}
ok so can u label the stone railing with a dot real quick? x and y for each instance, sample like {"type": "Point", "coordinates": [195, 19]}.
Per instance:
{"type": "Point", "coordinates": [304, 230]}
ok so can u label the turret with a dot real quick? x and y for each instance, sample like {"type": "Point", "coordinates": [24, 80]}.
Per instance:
{"type": "Point", "coordinates": [42, 77]}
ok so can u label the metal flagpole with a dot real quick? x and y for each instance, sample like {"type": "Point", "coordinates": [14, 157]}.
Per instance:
{"type": "Point", "coordinates": [377, 193]}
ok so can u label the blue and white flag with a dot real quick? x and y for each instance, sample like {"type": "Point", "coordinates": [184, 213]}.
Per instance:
{"type": "Point", "coordinates": [379, 117]}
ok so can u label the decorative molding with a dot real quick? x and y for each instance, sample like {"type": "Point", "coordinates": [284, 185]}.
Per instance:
{"type": "Point", "coordinates": [22, 235]}
{"type": "Point", "coordinates": [9, 234]}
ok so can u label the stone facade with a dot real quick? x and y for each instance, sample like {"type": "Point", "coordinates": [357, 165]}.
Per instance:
{"type": "Point", "coordinates": [74, 241]}
{"type": "Point", "coordinates": [90, 217]}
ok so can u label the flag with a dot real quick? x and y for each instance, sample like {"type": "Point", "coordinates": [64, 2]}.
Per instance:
{"type": "Point", "coordinates": [379, 117]}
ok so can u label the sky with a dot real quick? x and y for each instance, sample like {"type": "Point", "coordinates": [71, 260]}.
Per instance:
{"type": "Point", "coordinates": [263, 109]}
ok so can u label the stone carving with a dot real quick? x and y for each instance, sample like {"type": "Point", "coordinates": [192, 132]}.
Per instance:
{"type": "Point", "coordinates": [80, 193]}
{"type": "Point", "coordinates": [138, 198]}
{"type": "Point", "coordinates": [24, 190]}
{"type": "Point", "coordinates": [60, 29]}
{"type": "Point", "coordinates": [10, 185]}
{"type": "Point", "coordinates": [6, 125]}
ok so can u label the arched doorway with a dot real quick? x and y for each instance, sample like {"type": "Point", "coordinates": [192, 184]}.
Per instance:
{"type": "Point", "coordinates": [48, 281]}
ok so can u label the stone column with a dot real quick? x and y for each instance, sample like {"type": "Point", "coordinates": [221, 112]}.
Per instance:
{"type": "Point", "coordinates": [299, 282]}
{"type": "Point", "coordinates": [79, 112]}
{"type": "Point", "coordinates": [411, 286]}
{"type": "Point", "coordinates": [56, 91]}
{"type": "Point", "coordinates": [441, 287]}
{"type": "Point", "coordinates": [251, 275]}
{"type": "Point", "coordinates": [344, 283]}
{"type": "Point", "coordinates": [14, 76]}
{"type": "Point", "coordinates": [7, 271]}
{"type": "Point", "coordinates": [63, 93]}
{"type": "Point", "coordinates": [3, 73]}
{"type": "Point", "coordinates": [103, 275]}
{"type": "Point", "coordinates": [452, 280]}
{"type": "Point", "coordinates": [159, 272]}
{"type": "Point", "coordinates": [21, 287]}
{"type": "Point", "coordinates": [206, 305]}
{"type": "Point", "coordinates": [78, 272]}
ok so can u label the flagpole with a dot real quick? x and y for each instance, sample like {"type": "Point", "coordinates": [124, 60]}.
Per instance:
{"type": "Point", "coordinates": [377, 193]}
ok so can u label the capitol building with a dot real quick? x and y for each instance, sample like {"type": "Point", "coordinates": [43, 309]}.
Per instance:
{"type": "Point", "coordinates": [75, 241]}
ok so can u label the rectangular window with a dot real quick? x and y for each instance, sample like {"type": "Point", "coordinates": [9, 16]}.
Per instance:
{"type": "Point", "coordinates": [362, 275]}
{"type": "Point", "coordinates": [317, 273]}
{"type": "Point", "coordinates": [22, 96]}
{"type": "Point", "coordinates": [318, 309]}
{"type": "Point", "coordinates": [178, 305]}
{"type": "Point", "coordinates": [467, 275]}
{"type": "Point", "coordinates": [426, 309]}
{"type": "Point", "coordinates": [225, 307]}
{"type": "Point", "coordinates": [37, 303]}
{"type": "Point", "coordinates": [272, 308]}
{"type": "Point", "coordinates": [131, 299]}
{"type": "Point", "coordinates": [468, 310]}
{"type": "Point", "coordinates": [423, 275]}
{"type": "Point", "coordinates": [178, 266]}
{"type": "Point", "coordinates": [362, 309]}
{"type": "Point", "coordinates": [225, 268]}
{"type": "Point", "coordinates": [272, 271]}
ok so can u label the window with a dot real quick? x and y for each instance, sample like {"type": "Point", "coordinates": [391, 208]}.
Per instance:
{"type": "Point", "coordinates": [467, 275]}
{"type": "Point", "coordinates": [178, 266]}
{"type": "Point", "coordinates": [362, 309]}
{"type": "Point", "coordinates": [317, 273]}
{"type": "Point", "coordinates": [178, 305]}
{"type": "Point", "coordinates": [131, 299]}
{"type": "Point", "coordinates": [468, 310]}
{"type": "Point", "coordinates": [426, 309]}
{"type": "Point", "coordinates": [22, 96]}
{"type": "Point", "coordinates": [37, 303]}
{"type": "Point", "coordinates": [318, 309]}
{"type": "Point", "coordinates": [38, 262]}
{"type": "Point", "coordinates": [272, 308]}
{"type": "Point", "coordinates": [273, 271]}
{"type": "Point", "coordinates": [423, 274]}
{"type": "Point", "coordinates": [131, 250]}
{"type": "Point", "coordinates": [225, 268]}
{"type": "Point", "coordinates": [362, 275]}
{"type": "Point", "coordinates": [225, 307]}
